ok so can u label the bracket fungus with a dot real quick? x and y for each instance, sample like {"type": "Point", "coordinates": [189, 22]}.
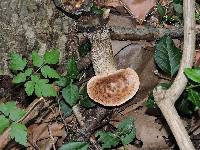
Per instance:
{"type": "Point", "coordinates": [110, 87]}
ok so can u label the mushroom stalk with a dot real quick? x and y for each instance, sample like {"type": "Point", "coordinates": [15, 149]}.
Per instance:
{"type": "Point", "coordinates": [101, 53]}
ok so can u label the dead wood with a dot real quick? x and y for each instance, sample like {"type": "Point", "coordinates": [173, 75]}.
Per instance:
{"type": "Point", "coordinates": [165, 99]}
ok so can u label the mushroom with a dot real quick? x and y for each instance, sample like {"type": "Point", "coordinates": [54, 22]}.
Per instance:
{"type": "Point", "coordinates": [110, 87]}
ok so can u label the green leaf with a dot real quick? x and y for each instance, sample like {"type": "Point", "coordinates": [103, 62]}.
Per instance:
{"type": "Point", "coordinates": [71, 94]}
{"type": "Point", "coordinates": [184, 106]}
{"type": "Point", "coordinates": [194, 97]}
{"type": "Point", "coordinates": [29, 87]}
{"type": "Point", "coordinates": [107, 139]}
{"type": "Point", "coordinates": [126, 130]}
{"type": "Point", "coordinates": [72, 70]}
{"type": "Point", "coordinates": [161, 10]}
{"type": "Point", "coordinates": [85, 100]}
{"type": "Point", "coordinates": [16, 114]}
{"type": "Point", "coordinates": [4, 123]}
{"type": "Point", "coordinates": [49, 72]}
{"type": "Point", "coordinates": [65, 108]}
{"type": "Point", "coordinates": [178, 8]}
{"type": "Point", "coordinates": [17, 62]}
{"type": "Point", "coordinates": [84, 48]}
{"type": "Point", "coordinates": [37, 59]}
{"type": "Point", "coordinates": [193, 74]}
{"type": "Point", "coordinates": [150, 103]}
{"type": "Point", "coordinates": [18, 132]}
{"type": "Point", "coordinates": [35, 78]}
{"type": "Point", "coordinates": [52, 56]}
{"type": "Point", "coordinates": [63, 81]}
{"type": "Point", "coordinates": [42, 88]}
{"type": "Point", "coordinates": [167, 56]}
{"type": "Point", "coordinates": [21, 77]}
{"type": "Point", "coordinates": [75, 146]}
{"type": "Point", "coordinates": [96, 10]}
{"type": "Point", "coordinates": [7, 107]}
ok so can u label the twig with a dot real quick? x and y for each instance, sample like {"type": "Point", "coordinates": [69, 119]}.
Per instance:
{"type": "Point", "coordinates": [165, 99]}
{"type": "Point", "coordinates": [52, 139]}
{"type": "Point", "coordinates": [78, 115]}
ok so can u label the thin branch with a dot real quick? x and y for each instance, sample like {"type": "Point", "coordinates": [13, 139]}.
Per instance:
{"type": "Point", "coordinates": [166, 99]}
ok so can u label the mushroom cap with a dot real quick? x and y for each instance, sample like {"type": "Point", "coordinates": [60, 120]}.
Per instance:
{"type": "Point", "coordinates": [113, 89]}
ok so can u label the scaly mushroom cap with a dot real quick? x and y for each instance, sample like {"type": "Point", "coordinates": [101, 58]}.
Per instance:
{"type": "Point", "coordinates": [113, 89]}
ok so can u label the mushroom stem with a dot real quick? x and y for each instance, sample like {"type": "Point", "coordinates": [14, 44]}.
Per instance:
{"type": "Point", "coordinates": [101, 53]}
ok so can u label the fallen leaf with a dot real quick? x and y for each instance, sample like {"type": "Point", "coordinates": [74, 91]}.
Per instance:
{"type": "Point", "coordinates": [138, 8]}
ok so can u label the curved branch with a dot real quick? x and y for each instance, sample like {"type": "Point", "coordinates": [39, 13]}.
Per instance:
{"type": "Point", "coordinates": [166, 99]}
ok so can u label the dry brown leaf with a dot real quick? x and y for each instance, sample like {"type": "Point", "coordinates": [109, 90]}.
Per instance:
{"type": "Point", "coordinates": [138, 8]}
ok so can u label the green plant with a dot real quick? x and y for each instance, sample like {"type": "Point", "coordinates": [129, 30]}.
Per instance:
{"type": "Point", "coordinates": [10, 115]}
{"type": "Point", "coordinates": [34, 81]}
{"type": "Point", "coordinates": [167, 57]}
{"type": "Point", "coordinates": [71, 93]}
{"type": "Point", "coordinates": [124, 134]}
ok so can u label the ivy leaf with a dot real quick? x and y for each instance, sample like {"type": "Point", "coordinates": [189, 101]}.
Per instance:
{"type": "Point", "coordinates": [17, 62]}
{"type": "Point", "coordinates": [4, 123]}
{"type": "Point", "coordinates": [37, 59]}
{"type": "Point", "coordinates": [167, 56]}
{"type": "Point", "coordinates": [194, 97]}
{"type": "Point", "coordinates": [49, 72]}
{"type": "Point", "coordinates": [21, 77]}
{"type": "Point", "coordinates": [29, 87]}
{"type": "Point", "coordinates": [7, 107]}
{"type": "Point", "coordinates": [42, 88]}
{"type": "Point", "coordinates": [72, 70]}
{"type": "Point", "coordinates": [161, 10]}
{"type": "Point", "coordinates": [18, 132]}
{"type": "Point", "coordinates": [107, 139]}
{"type": "Point", "coordinates": [185, 106]}
{"type": "Point", "coordinates": [126, 130]}
{"type": "Point", "coordinates": [178, 8]}
{"type": "Point", "coordinates": [52, 56]}
{"type": "Point", "coordinates": [71, 94]}
{"type": "Point", "coordinates": [16, 114]}
{"type": "Point", "coordinates": [65, 108]}
{"type": "Point", "coordinates": [75, 146]}
{"type": "Point", "coordinates": [193, 74]}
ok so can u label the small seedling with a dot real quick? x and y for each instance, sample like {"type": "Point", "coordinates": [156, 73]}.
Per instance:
{"type": "Point", "coordinates": [35, 81]}
{"type": "Point", "coordinates": [124, 134]}
{"type": "Point", "coordinates": [10, 115]}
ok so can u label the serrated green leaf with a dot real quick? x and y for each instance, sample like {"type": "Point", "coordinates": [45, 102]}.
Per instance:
{"type": "Point", "coordinates": [18, 132]}
{"type": "Point", "coordinates": [52, 56]}
{"type": "Point", "coordinates": [72, 70]}
{"type": "Point", "coordinates": [85, 100]}
{"type": "Point", "coordinates": [37, 59]}
{"type": "Point", "coordinates": [193, 74]}
{"type": "Point", "coordinates": [4, 123]}
{"type": "Point", "coordinates": [17, 62]}
{"type": "Point", "coordinates": [7, 107]}
{"type": "Point", "coordinates": [126, 130]}
{"type": "Point", "coordinates": [63, 81]}
{"type": "Point", "coordinates": [71, 94]}
{"type": "Point", "coordinates": [42, 88]}
{"type": "Point", "coordinates": [35, 78]}
{"type": "Point", "coordinates": [16, 114]}
{"type": "Point", "coordinates": [49, 72]}
{"type": "Point", "coordinates": [107, 139]}
{"type": "Point", "coordinates": [29, 87]}
{"type": "Point", "coordinates": [21, 77]}
{"type": "Point", "coordinates": [65, 108]}
{"type": "Point", "coordinates": [194, 97]}
{"type": "Point", "coordinates": [167, 56]}
{"type": "Point", "coordinates": [161, 10]}
{"type": "Point", "coordinates": [75, 146]}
